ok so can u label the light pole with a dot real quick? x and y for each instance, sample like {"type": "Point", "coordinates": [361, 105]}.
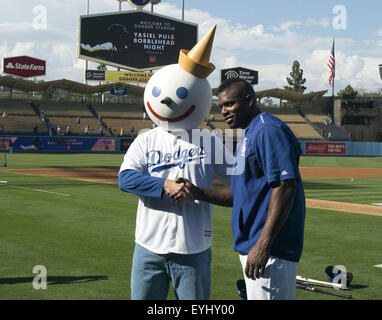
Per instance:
{"type": "Point", "coordinates": [120, 4]}
{"type": "Point", "coordinates": [183, 10]}
{"type": "Point", "coordinates": [87, 62]}
{"type": "Point", "coordinates": [119, 69]}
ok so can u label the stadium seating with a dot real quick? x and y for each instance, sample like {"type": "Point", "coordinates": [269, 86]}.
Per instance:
{"type": "Point", "coordinates": [52, 109]}
{"type": "Point", "coordinates": [76, 129]}
{"type": "Point", "coordinates": [318, 118]}
{"type": "Point", "coordinates": [114, 110]}
{"type": "Point", "coordinates": [301, 128]}
{"type": "Point", "coordinates": [126, 124]}
{"type": "Point", "coordinates": [304, 131]}
{"type": "Point", "coordinates": [25, 124]}
{"type": "Point", "coordinates": [22, 118]}
{"type": "Point", "coordinates": [15, 107]}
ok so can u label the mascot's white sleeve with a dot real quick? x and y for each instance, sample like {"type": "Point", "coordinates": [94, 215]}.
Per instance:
{"type": "Point", "coordinates": [135, 158]}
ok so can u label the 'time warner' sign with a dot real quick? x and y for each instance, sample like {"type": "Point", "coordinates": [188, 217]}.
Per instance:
{"type": "Point", "coordinates": [24, 66]}
{"type": "Point", "coordinates": [251, 76]}
{"type": "Point", "coordinates": [325, 148]}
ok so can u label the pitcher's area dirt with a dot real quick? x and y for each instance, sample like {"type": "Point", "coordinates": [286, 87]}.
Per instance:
{"type": "Point", "coordinates": [110, 175]}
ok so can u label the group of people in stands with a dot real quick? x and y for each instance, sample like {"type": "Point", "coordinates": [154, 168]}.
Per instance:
{"type": "Point", "coordinates": [68, 132]}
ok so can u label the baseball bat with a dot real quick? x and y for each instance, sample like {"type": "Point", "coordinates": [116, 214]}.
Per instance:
{"type": "Point", "coordinates": [303, 286]}
{"type": "Point", "coordinates": [321, 283]}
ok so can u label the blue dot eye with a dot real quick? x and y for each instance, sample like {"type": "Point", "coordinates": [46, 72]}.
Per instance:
{"type": "Point", "coordinates": [181, 92]}
{"type": "Point", "coordinates": [156, 91]}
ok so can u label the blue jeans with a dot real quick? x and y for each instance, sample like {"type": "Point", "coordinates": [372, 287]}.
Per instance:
{"type": "Point", "coordinates": [151, 274]}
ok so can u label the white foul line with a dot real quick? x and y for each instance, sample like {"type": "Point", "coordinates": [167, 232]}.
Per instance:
{"type": "Point", "coordinates": [378, 265]}
{"type": "Point", "coordinates": [4, 183]}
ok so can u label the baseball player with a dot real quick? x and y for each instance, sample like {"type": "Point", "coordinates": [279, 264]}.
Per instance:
{"type": "Point", "coordinates": [268, 213]}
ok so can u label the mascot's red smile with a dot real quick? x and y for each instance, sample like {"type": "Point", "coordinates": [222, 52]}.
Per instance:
{"type": "Point", "coordinates": [180, 118]}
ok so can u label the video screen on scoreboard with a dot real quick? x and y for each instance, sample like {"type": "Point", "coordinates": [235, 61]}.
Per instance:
{"type": "Point", "coordinates": [135, 40]}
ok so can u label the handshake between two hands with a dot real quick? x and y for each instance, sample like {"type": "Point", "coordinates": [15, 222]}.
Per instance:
{"type": "Point", "coordinates": [180, 191]}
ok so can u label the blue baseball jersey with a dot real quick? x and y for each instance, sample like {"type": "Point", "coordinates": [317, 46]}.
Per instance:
{"type": "Point", "coordinates": [268, 153]}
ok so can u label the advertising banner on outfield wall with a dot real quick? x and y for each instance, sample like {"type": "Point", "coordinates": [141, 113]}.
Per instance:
{"type": "Point", "coordinates": [134, 40]}
{"type": "Point", "coordinates": [325, 148]}
{"type": "Point", "coordinates": [58, 144]}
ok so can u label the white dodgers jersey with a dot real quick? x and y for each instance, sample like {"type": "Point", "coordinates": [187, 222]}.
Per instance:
{"type": "Point", "coordinates": [163, 226]}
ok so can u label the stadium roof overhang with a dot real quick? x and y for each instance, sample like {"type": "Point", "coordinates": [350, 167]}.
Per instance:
{"type": "Point", "coordinates": [72, 86]}
{"type": "Point", "coordinates": [284, 94]}
{"type": "Point", "coordinates": [76, 87]}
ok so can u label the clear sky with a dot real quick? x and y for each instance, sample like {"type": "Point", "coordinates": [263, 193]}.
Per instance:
{"type": "Point", "coordinates": [266, 36]}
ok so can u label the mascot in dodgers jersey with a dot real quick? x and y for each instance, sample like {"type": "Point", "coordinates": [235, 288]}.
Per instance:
{"type": "Point", "coordinates": [173, 238]}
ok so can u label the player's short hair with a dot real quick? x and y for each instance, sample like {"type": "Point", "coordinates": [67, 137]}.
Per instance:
{"type": "Point", "coordinates": [245, 86]}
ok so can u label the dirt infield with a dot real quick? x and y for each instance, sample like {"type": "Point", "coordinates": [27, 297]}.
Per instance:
{"type": "Point", "coordinates": [339, 173]}
{"type": "Point", "coordinates": [103, 175]}
{"type": "Point", "coordinates": [110, 176]}
{"type": "Point", "coordinates": [344, 207]}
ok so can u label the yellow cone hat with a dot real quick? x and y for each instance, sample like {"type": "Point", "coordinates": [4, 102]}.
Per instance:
{"type": "Point", "coordinates": [197, 60]}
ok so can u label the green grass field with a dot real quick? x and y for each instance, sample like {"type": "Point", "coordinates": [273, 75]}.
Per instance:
{"type": "Point", "coordinates": [83, 233]}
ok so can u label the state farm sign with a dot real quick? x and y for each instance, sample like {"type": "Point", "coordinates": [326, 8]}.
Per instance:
{"type": "Point", "coordinates": [24, 66]}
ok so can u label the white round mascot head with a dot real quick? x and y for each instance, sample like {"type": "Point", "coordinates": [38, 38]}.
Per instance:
{"type": "Point", "coordinates": [179, 96]}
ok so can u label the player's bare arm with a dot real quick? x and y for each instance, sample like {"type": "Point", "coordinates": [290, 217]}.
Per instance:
{"type": "Point", "coordinates": [280, 203]}
{"type": "Point", "coordinates": [221, 197]}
